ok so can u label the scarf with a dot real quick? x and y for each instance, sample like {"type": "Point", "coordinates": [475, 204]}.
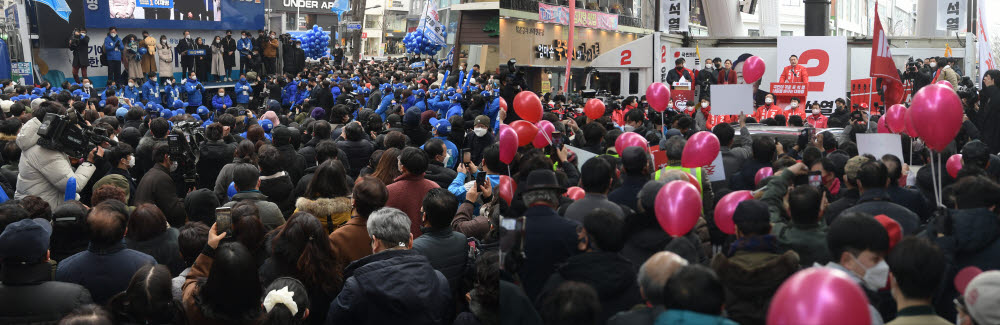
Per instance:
{"type": "Point", "coordinates": [766, 243]}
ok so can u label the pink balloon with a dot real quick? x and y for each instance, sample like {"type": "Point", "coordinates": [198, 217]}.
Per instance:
{"type": "Point", "coordinates": [658, 96]}
{"type": "Point", "coordinates": [726, 207]}
{"type": "Point", "coordinates": [882, 127]}
{"type": "Point", "coordinates": [911, 128]}
{"type": "Point", "coordinates": [944, 83]}
{"type": "Point", "coordinates": [700, 150]}
{"type": "Point", "coordinates": [954, 165]}
{"type": "Point", "coordinates": [575, 193]}
{"type": "Point", "coordinates": [964, 276]}
{"type": "Point", "coordinates": [819, 295]}
{"type": "Point", "coordinates": [940, 110]}
{"type": "Point", "coordinates": [895, 118]}
{"type": "Point", "coordinates": [620, 141]}
{"type": "Point", "coordinates": [753, 69]}
{"type": "Point", "coordinates": [678, 206]}
{"type": "Point", "coordinates": [762, 174]}
{"type": "Point", "coordinates": [636, 141]}
{"type": "Point", "coordinates": [508, 143]}
{"type": "Point", "coordinates": [544, 135]}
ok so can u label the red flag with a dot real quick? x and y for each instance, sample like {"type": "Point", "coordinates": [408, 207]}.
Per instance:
{"type": "Point", "coordinates": [883, 66]}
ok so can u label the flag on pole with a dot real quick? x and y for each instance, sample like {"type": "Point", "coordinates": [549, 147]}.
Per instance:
{"type": "Point", "coordinates": [59, 6]}
{"type": "Point", "coordinates": [882, 65]}
{"type": "Point", "coordinates": [431, 26]}
{"type": "Point", "coordinates": [985, 55]}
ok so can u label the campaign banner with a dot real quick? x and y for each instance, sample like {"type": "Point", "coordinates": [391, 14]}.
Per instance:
{"type": "Point", "coordinates": [584, 18]}
{"type": "Point", "coordinates": [196, 52]}
{"type": "Point", "coordinates": [154, 3]}
{"type": "Point", "coordinates": [176, 14]}
{"type": "Point", "coordinates": [983, 49]}
{"type": "Point", "coordinates": [22, 71]}
{"type": "Point", "coordinates": [674, 15]}
{"type": "Point", "coordinates": [951, 15]}
{"type": "Point", "coordinates": [825, 60]}
{"type": "Point", "coordinates": [431, 25]}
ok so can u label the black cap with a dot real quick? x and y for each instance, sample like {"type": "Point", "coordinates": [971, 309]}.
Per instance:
{"type": "Point", "coordinates": [25, 241]}
{"type": "Point", "coordinates": [751, 211]}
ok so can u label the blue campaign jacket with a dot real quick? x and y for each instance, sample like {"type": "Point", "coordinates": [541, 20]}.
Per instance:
{"type": "Point", "coordinates": [288, 93]}
{"type": "Point", "coordinates": [132, 93]}
{"type": "Point", "coordinates": [245, 46]}
{"type": "Point", "coordinates": [113, 47]}
{"type": "Point", "coordinates": [217, 102]}
{"type": "Point", "coordinates": [191, 87]}
{"type": "Point", "coordinates": [335, 90]}
{"type": "Point", "coordinates": [242, 92]}
{"type": "Point", "coordinates": [151, 92]}
{"type": "Point", "coordinates": [386, 101]}
{"type": "Point", "coordinates": [171, 93]}
{"type": "Point", "coordinates": [455, 109]}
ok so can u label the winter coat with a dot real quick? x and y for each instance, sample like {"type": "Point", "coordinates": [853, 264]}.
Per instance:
{"type": "Point", "coordinates": [973, 241]}
{"type": "Point", "coordinates": [193, 88]}
{"type": "Point", "coordinates": [331, 212]}
{"type": "Point", "coordinates": [447, 251]}
{"type": "Point", "coordinates": [750, 279]}
{"type": "Point", "coordinates": [44, 173]}
{"type": "Point", "coordinates": [165, 61]}
{"type": "Point", "coordinates": [351, 241]}
{"type": "Point", "coordinates": [218, 63]}
{"type": "Point", "coordinates": [476, 145]}
{"type": "Point", "coordinates": [808, 241]}
{"type": "Point", "coordinates": [295, 60]}
{"type": "Point", "coordinates": [29, 296]}
{"type": "Point", "coordinates": [468, 224]}
{"type": "Point", "coordinates": [229, 45]}
{"type": "Point", "coordinates": [438, 173]}
{"type": "Point", "coordinates": [407, 194]}
{"type": "Point", "coordinates": [191, 288]}
{"type": "Point", "coordinates": [113, 47]}
{"type": "Point", "coordinates": [80, 46]}
{"type": "Point", "coordinates": [245, 47]}
{"type": "Point", "coordinates": [132, 93]}
{"type": "Point", "coordinates": [611, 275]}
{"type": "Point", "coordinates": [157, 187]}
{"type": "Point", "coordinates": [551, 239]}
{"type": "Point", "coordinates": [164, 248]}
{"type": "Point", "coordinates": [144, 155]}
{"type": "Point", "coordinates": [638, 315]}
{"type": "Point", "coordinates": [151, 92]}
{"type": "Point", "coordinates": [243, 92]}
{"type": "Point", "coordinates": [358, 153]}
{"type": "Point", "coordinates": [876, 201]}
{"type": "Point", "coordinates": [270, 48]}
{"type": "Point", "coordinates": [213, 156]}
{"type": "Point", "coordinates": [390, 286]}
{"type": "Point", "coordinates": [273, 269]}
{"type": "Point", "coordinates": [131, 60]}
{"type": "Point", "coordinates": [677, 316]}
{"type": "Point", "coordinates": [171, 92]}
{"type": "Point", "coordinates": [221, 103]}
{"type": "Point", "coordinates": [270, 214]}
{"type": "Point", "coordinates": [278, 189]}
{"type": "Point", "coordinates": [104, 271]}
{"type": "Point", "coordinates": [292, 161]}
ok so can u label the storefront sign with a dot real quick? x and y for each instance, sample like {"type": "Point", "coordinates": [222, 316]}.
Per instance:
{"type": "Point", "coordinates": [544, 45]}
{"type": "Point", "coordinates": [557, 51]}
{"type": "Point", "coordinates": [529, 30]}
{"type": "Point", "coordinates": [584, 18]}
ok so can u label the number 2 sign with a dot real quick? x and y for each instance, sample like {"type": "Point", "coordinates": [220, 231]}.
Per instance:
{"type": "Point", "coordinates": [825, 59]}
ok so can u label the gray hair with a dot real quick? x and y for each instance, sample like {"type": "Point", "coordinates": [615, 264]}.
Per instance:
{"type": "Point", "coordinates": [675, 147]}
{"type": "Point", "coordinates": [654, 273]}
{"type": "Point", "coordinates": [548, 196]}
{"type": "Point", "coordinates": [389, 225]}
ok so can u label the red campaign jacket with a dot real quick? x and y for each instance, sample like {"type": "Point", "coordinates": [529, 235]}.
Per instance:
{"type": "Point", "coordinates": [801, 111]}
{"type": "Point", "coordinates": [817, 121]}
{"type": "Point", "coordinates": [766, 111]}
{"type": "Point", "coordinates": [797, 73]}
{"type": "Point", "coordinates": [727, 78]}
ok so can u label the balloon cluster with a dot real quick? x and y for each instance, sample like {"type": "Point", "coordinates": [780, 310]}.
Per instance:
{"type": "Point", "coordinates": [415, 42]}
{"type": "Point", "coordinates": [316, 43]}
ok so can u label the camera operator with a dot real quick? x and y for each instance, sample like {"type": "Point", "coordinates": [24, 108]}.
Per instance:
{"type": "Point", "coordinates": [917, 74]}
{"type": "Point", "coordinates": [79, 44]}
{"type": "Point", "coordinates": [44, 172]}
{"type": "Point", "coordinates": [157, 187]}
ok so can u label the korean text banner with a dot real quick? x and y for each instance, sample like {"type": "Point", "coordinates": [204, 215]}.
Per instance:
{"type": "Point", "coordinates": [176, 14]}
{"type": "Point", "coordinates": [584, 18]}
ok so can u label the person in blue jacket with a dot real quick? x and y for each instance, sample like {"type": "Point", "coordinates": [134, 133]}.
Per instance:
{"type": "Point", "coordinates": [243, 90]}
{"type": "Point", "coordinates": [221, 102]}
{"type": "Point", "coordinates": [301, 92]}
{"type": "Point", "coordinates": [245, 47]}
{"type": "Point", "coordinates": [288, 93]}
{"type": "Point", "coordinates": [193, 89]}
{"type": "Point", "coordinates": [151, 90]}
{"type": "Point", "coordinates": [132, 91]}
{"type": "Point", "coordinates": [420, 102]}
{"type": "Point", "coordinates": [440, 131]}
{"type": "Point", "coordinates": [335, 90]}
{"type": "Point", "coordinates": [113, 49]}
{"type": "Point", "coordinates": [171, 92]}
{"type": "Point", "coordinates": [203, 113]}
{"type": "Point", "coordinates": [387, 98]}
{"type": "Point", "coordinates": [456, 106]}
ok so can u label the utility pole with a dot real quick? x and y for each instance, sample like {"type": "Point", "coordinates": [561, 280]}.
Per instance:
{"type": "Point", "coordinates": [357, 14]}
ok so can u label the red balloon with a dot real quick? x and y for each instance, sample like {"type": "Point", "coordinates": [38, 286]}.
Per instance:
{"type": "Point", "coordinates": [525, 132]}
{"type": "Point", "coordinates": [528, 107]}
{"type": "Point", "coordinates": [700, 150]}
{"type": "Point", "coordinates": [819, 295]}
{"type": "Point", "coordinates": [508, 143]}
{"type": "Point", "coordinates": [575, 193]}
{"type": "Point", "coordinates": [940, 109]}
{"type": "Point", "coordinates": [895, 118]}
{"type": "Point", "coordinates": [594, 109]}
{"type": "Point", "coordinates": [622, 139]}
{"type": "Point", "coordinates": [503, 104]}
{"type": "Point", "coordinates": [753, 69]}
{"type": "Point", "coordinates": [726, 207]}
{"type": "Point", "coordinates": [506, 188]}
{"type": "Point", "coordinates": [658, 96]}
{"type": "Point", "coordinates": [954, 165]}
{"type": "Point", "coordinates": [882, 127]}
{"type": "Point", "coordinates": [762, 174]}
{"type": "Point", "coordinates": [678, 206]}
{"type": "Point", "coordinates": [964, 276]}
{"type": "Point", "coordinates": [544, 135]}
{"type": "Point", "coordinates": [911, 128]}
{"type": "Point", "coordinates": [694, 181]}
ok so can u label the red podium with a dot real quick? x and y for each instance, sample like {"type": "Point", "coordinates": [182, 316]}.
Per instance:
{"type": "Point", "coordinates": [783, 92]}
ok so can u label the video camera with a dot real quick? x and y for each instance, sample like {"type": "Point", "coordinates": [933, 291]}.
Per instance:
{"type": "Point", "coordinates": [60, 133]}
{"type": "Point", "coordinates": [183, 148]}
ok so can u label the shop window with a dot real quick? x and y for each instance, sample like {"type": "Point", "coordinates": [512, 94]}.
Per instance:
{"type": "Point", "coordinates": [786, 33]}
{"type": "Point", "coordinates": [607, 81]}
{"type": "Point", "coordinates": [633, 82]}
{"type": "Point", "coordinates": [753, 32]}
{"type": "Point", "coordinates": [373, 22]}
{"type": "Point", "coordinates": [299, 22]}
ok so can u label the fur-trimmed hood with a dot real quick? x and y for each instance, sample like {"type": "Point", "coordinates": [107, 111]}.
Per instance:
{"type": "Point", "coordinates": [324, 206]}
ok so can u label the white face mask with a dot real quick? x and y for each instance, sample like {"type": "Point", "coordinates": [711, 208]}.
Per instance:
{"type": "Point", "coordinates": [114, 34]}
{"type": "Point", "coordinates": [194, 78]}
{"type": "Point", "coordinates": [817, 111]}
{"type": "Point", "coordinates": [187, 36]}
{"type": "Point", "coordinates": [708, 66]}
{"type": "Point", "coordinates": [628, 128]}
{"type": "Point", "coordinates": [131, 161]}
{"type": "Point", "coordinates": [447, 157]}
{"type": "Point", "coordinates": [86, 85]}
{"type": "Point", "coordinates": [479, 132]}
{"type": "Point", "coordinates": [875, 277]}
{"type": "Point", "coordinates": [933, 64]}
{"type": "Point", "coordinates": [131, 84]}
{"type": "Point", "coordinates": [795, 105]}
{"type": "Point", "coordinates": [768, 100]}
{"type": "Point", "coordinates": [163, 41]}
{"type": "Point", "coordinates": [222, 94]}
{"type": "Point", "coordinates": [83, 34]}
{"type": "Point", "coordinates": [704, 104]}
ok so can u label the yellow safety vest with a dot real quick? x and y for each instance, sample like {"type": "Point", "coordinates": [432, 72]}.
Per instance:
{"type": "Point", "coordinates": [693, 171]}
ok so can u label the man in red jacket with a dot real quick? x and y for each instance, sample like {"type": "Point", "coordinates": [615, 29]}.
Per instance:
{"type": "Point", "coordinates": [407, 192]}
{"type": "Point", "coordinates": [768, 110]}
{"type": "Point", "coordinates": [794, 72]}
{"type": "Point", "coordinates": [817, 119]}
{"type": "Point", "coordinates": [795, 109]}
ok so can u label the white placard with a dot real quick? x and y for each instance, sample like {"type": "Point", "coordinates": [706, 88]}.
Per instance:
{"type": "Point", "coordinates": [674, 15]}
{"type": "Point", "coordinates": [951, 15]}
{"type": "Point", "coordinates": [581, 155]}
{"type": "Point", "coordinates": [825, 60]}
{"type": "Point", "coordinates": [731, 99]}
{"type": "Point", "coordinates": [716, 171]}
{"type": "Point", "coordinates": [880, 144]}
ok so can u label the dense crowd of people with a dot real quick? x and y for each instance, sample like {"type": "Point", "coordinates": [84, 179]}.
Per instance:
{"type": "Point", "coordinates": [376, 191]}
